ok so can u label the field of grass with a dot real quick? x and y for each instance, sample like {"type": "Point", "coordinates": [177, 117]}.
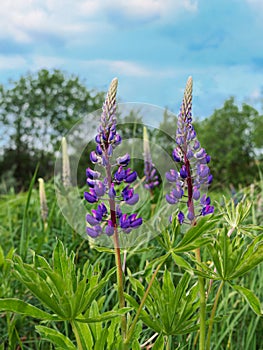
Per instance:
{"type": "Point", "coordinates": [23, 233]}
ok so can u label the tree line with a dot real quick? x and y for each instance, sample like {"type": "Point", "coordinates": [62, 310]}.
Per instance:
{"type": "Point", "coordinates": [38, 109]}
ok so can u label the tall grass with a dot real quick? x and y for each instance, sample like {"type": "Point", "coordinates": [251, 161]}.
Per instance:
{"type": "Point", "coordinates": [22, 231]}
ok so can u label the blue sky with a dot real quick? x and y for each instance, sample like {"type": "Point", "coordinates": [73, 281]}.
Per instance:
{"type": "Point", "coordinates": [152, 46]}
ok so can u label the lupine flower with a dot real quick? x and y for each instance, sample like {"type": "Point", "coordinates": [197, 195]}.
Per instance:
{"type": "Point", "coordinates": [110, 187]}
{"type": "Point", "coordinates": [194, 174]}
{"type": "Point", "coordinates": [151, 177]}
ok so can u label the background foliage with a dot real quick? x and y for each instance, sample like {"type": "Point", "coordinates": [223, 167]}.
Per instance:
{"type": "Point", "coordinates": [37, 110]}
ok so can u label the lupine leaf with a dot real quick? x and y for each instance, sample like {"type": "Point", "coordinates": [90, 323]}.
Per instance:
{"type": "Point", "coordinates": [101, 339]}
{"type": "Point", "coordinates": [199, 242]}
{"type": "Point", "coordinates": [113, 333]}
{"type": "Point", "coordinates": [203, 226]}
{"type": "Point", "coordinates": [23, 308]}
{"type": "Point", "coordinates": [159, 343]}
{"type": "Point", "coordinates": [143, 315]}
{"type": "Point", "coordinates": [56, 338]}
{"type": "Point", "coordinates": [96, 328]}
{"type": "Point", "coordinates": [169, 309]}
{"type": "Point", "coordinates": [180, 261]}
{"type": "Point", "coordinates": [250, 258]}
{"type": "Point", "coordinates": [60, 260]}
{"type": "Point", "coordinates": [250, 298]}
{"type": "Point", "coordinates": [40, 261]}
{"type": "Point", "coordinates": [105, 316]}
{"type": "Point", "coordinates": [83, 335]}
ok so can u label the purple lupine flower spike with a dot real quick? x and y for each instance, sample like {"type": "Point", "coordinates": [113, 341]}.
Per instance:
{"type": "Point", "coordinates": [151, 177]}
{"type": "Point", "coordinates": [107, 220]}
{"type": "Point", "coordinates": [194, 174]}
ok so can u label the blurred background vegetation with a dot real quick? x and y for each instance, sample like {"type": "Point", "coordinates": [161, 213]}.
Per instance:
{"type": "Point", "coordinates": [38, 109]}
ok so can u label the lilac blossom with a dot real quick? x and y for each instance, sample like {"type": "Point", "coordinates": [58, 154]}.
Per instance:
{"type": "Point", "coordinates": [109, 189]}
{"type": "Point", "coordinates": [194, 174]}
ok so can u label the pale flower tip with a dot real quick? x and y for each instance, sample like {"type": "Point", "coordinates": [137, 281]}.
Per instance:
{"type": "Point", "coordinates": [113, 86]}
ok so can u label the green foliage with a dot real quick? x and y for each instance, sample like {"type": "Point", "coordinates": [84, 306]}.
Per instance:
{"type": "Point", "coordinates": [72, 284]}
{"type": "Point", "coordinates": [57, 338]}
{"type": "Point", "coordinates": [169, 310]}
{"type": "Point", "coordinates": [36, 111]}
{"type": "Point", "coordinates": [231, 137]}
{"type": "Point", "coordinates": [63, 289]}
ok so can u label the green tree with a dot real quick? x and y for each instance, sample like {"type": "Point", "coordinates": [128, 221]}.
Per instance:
{"type": "Point", "coordinates": [230, 136]}
{"type": "Point", "coordinates": [34, 113]}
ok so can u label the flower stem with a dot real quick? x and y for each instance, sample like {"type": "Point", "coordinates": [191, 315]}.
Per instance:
{"type": "Point", "coordinates": [134, 322]}
{"type": "Point", "coordinates": [120, 281]}
{"type": "Point", "coordinates": [211, 321]}
{"type": "Point", "coordinates": [117, 254]}
{"type": "Point", "coordinates": [202, 303]}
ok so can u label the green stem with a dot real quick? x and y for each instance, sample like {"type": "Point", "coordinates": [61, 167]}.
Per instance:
{"type": "Point", "coordinates": [117, 252]}
{"type": "Point", "coordinates": [211, 321]}
{"type": "Point", "coordinates": [202, 303]}
{"type": "Point", "coordinates": [134, 322]}
{"type": "Point", "coordinates": [120, 282]}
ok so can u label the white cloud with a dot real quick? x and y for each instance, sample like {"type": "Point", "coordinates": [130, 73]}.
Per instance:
{"type": "Point", "coordinates": [127, 68]}
{"type": "Point", "coordinates": [23, 20]}
{"type": "Point", "coordinates": [112, 67]}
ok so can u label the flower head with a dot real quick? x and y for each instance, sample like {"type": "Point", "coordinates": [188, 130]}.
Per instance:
{"type": "Point", "coordinates": [106, 218]}
{"type": "Point", "coordinates": [194, 174]}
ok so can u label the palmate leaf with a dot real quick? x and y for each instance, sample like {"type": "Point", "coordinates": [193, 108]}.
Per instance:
{"type": "Point", "coordinates": [57, 338]}
{"type": "Point", "coordinates": [33, 280]}
{"type": "Point", "coordinates": [23, 308]}
{"type": "Point", "coordinates": [169, 309]}
{"type": "Point", "coordinates": [234, 257]}
{"type": "Point", "coordinates": [251, 257]}
{"type": "Point", "coordinates": [180, 261]}
{"type": "Point", "coordinates": [194, 237]}
{"type": "Point", "coordinates": [250, 298]}
{"type": "Point", "coordinates": [65, 290]}
{"type": "Point", "coordinates": [236, 214]}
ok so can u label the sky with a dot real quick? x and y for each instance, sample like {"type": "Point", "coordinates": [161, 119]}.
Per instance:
{"type": "Point", "coordinates": [152, 46]}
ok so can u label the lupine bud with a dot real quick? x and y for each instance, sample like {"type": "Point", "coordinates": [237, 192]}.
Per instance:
{"type": "Point", "coordinates": [91, 174]}
{"type": "Point", "coordinates": [90, 196]}
{"type": "Point", "coordinates": [124, 160]}
{"type": "Point", "coordinates": [181, 217]}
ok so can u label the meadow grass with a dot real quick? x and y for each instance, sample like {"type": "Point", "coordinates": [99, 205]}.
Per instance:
{"type": "Point", "coordinates": [235, 327]}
